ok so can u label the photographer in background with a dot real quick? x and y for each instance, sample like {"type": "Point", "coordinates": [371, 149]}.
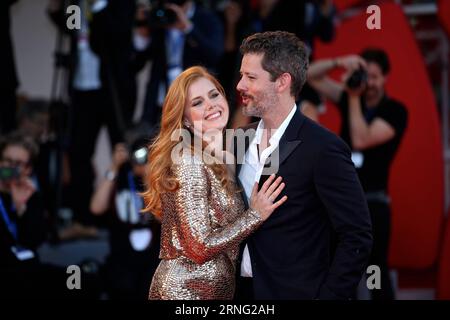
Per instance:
{"type": "Point", "coordinates": [373, 125]}
{"type": "Point", "coordinates": [134, 236]}
{"type": "Point", "coordinates": [34, 121]}
{"type": "Point", "coordinates": [22, 215]}
{"type": "Point", "coordinates": [23, 228]}
{"type": "Point", "coordinates": [22, 218]}
{"type": "Point", "coordinates": [180, 34]}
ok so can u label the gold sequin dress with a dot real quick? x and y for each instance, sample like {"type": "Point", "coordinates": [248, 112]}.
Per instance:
{"type": "Point", "coordinates": [201, 228]}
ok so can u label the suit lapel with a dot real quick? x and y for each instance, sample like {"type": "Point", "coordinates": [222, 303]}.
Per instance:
{"type": "Point", "coordinates": [288, 143]}
{"type": "Point", "coordinates": [290, 139]}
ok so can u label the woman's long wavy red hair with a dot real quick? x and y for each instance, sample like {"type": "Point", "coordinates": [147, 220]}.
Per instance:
{"type": "Point", "coordinates": [158, 175]}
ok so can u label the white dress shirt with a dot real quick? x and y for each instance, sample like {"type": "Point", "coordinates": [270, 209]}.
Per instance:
{"type": "Point", "coordinates": [252, 168]}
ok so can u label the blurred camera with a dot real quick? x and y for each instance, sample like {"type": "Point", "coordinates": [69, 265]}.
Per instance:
{"type": "Point", "coordinates": [139, 156]}
{"type": "Point", "coordinates": [9, 173]}
{"type": "Point", "coordinates": [357, 79]}
{"type": "Point", "coordinates": [160, 16]}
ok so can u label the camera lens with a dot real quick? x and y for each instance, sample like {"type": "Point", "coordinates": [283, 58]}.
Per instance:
{"type": "Point", "coordinates": [357, 79]}
{"type": "Point", "coordinates": [9, 173]}
{"type": "Point", "coordinates": [161, 17]}
{"type": "Point", "coordinates": [140, 156]}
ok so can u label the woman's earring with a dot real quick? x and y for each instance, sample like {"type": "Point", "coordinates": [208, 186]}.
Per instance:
{"type": "Point", "coordinates": [187, 124]}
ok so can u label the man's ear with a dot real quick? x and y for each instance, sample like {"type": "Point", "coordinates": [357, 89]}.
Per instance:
{"type": "Point", "coordinates": [284, 82]}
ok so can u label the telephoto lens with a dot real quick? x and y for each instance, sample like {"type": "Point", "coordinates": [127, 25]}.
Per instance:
{"type": "Point", "coordinates": [357, 78]}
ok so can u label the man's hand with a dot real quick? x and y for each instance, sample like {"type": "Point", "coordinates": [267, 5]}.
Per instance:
{"type": "Point", "coordinates": [21, 191]}
{"type": "Point", "coordinates": [351, 63]}
{"type": "Point", "coordinates": [182, 23]}
{"type": "Point", "coordinates": [356, 92]}
{"type": "Point", "coordinates": [120, 156]}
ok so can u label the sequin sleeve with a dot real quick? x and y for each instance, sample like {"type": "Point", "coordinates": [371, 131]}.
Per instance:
{"type": "Point", "coordinates": [198, 239]}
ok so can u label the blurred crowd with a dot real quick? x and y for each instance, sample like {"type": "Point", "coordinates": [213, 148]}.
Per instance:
{"type": "Point", "coordinates": [47, 147]}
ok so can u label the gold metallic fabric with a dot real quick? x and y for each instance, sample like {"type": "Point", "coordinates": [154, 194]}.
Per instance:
{"type": "Point", "coordinates": [201, 228]}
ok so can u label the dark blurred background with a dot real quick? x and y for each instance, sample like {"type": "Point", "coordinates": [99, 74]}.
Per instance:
{"type": "Point", "coordinates": [78, 108]}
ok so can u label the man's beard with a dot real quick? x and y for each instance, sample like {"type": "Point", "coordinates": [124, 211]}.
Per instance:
{"type": "Point", "coordinates": [253, 110]}
{"type": "Point", "coordinates": [373, 94]}
{"type": "Point", "coordinates": [258, 108]}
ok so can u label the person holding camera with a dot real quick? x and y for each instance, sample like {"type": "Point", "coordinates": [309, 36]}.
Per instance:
{"type": "Point", "coordinates": [24, 226]}
{"type": "Point", "coordinates": [134, 237]}
{"type": "Point", "coordinates": [181, 34]}
{"type": "Point", "coordinates": [22, 218]}
{"type": "Point", "coordinates": [22, 222]}
{"type": "Point", "coordinates": [373, 125]}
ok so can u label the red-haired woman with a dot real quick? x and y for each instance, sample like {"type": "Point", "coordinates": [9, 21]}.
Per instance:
{"type": "Point", "coordinates": [203, 218]}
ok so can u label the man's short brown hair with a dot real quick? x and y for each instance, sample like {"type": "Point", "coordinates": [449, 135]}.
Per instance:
{"type": "Point", "coordinates": [283, 52]}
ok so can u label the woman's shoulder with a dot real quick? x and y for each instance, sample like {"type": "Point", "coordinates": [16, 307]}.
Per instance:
{"type": "Point", "coordinates": [191, 172]}
{"type": "Point", "coordinates": [188, 162]}
{"type": "Point", "coordinates": [187, 158]}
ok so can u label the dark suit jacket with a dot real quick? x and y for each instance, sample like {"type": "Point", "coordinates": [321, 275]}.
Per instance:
{"type": "Point", "coordinates": [316, 245]}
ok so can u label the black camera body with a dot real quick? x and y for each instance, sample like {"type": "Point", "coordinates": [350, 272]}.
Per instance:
{"type": "Point", "coordinates": [9, 173]}
{"type": "Point", "coordinates": [357, 79]}
{"type": "Point", "coordinates": [161, 17]}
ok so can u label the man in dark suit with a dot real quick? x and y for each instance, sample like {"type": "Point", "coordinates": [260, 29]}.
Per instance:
{"type": "Point", "coordinates": [316, 246]}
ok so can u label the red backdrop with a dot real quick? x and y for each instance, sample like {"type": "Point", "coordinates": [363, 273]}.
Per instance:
{"type": "Point", "coordinates": [416, 181]}
{"type": "Point", "coordinates": [344, 4]}
{"type": "Point", "coordinates": [444, 14]}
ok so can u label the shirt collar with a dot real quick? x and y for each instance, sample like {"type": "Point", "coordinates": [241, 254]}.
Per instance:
{"type": "Point", "coordinates": [275, 138]}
